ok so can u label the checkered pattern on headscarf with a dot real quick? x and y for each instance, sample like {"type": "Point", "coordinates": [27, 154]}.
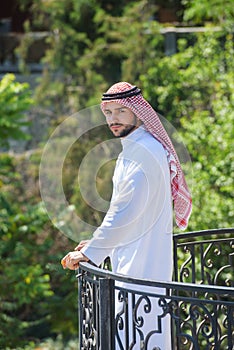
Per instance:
{"type": "Point", "coordinates": [131, 97]}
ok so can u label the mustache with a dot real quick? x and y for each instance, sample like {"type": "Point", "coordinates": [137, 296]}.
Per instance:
{"type": "Point", "coordinates": [114, 124]}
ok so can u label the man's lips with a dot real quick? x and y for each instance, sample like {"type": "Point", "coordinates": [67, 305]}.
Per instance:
{"type": "Point", "coordinates": [115, 126]}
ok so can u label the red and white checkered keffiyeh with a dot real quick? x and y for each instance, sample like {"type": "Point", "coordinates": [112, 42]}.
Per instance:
{"type": "Point", "coordinates": [130, 96]}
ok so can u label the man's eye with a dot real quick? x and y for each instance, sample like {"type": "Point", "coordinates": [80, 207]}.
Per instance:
{"type": "Point", "coordinates": [122, 110]}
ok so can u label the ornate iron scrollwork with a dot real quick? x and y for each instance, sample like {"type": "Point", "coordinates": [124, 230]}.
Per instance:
{"type": "Point", "coordinates": [200, 305]}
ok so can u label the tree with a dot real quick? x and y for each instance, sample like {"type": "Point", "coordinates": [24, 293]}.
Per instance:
{"type": "Point", "coordinates": [214, 11]}
{"type": "Point", "coordinates": [92, 44]}
{"type": "Point", "coordinates": [194, 88]}
{"type": "Point", "coordinates": [15, 99]}
{"type": "Point", "coordinates": [29, 299]}
{"type": "Point", "coordinates": [74, 60]}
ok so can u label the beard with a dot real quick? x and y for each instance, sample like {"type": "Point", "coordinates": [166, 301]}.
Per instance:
{"type": "Point", "coordinates": [126, 131]}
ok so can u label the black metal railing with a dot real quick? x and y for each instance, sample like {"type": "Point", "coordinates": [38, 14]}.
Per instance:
{"type": "Point", "coordinates": [199, 303]}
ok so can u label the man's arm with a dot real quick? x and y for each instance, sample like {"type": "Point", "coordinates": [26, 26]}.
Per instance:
{"type": "Point", "coordinates": [117, 224]}
{"type": "Point", "coordinates": [137, 192]}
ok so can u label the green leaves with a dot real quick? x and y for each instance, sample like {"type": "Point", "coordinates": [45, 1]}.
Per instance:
{"type": "Point", "coordinates": [24, 282]}
{"type": "Point", "coordinates": [15, 99]}
{"type": "Point", "coordinates": [217, 11]}
{"type": "Point", "coordinates": [92, 44]}
{"type": "Point", "coordinates": [33, 283]}
{"type": "Point", "coordinates": [194, 89]}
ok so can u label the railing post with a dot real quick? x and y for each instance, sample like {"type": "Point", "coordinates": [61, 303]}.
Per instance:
{"type": "Point", "coordinates": [80, 308]}
{"type": "Point", "coordinates": [106, 315]}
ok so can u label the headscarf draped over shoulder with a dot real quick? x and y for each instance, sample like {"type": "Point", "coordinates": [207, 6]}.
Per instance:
{"type": "Point", "coordinates": [130, 96]}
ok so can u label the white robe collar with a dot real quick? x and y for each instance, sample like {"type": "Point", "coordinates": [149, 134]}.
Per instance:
{"type": "Point", "coordinates": [133, 136]}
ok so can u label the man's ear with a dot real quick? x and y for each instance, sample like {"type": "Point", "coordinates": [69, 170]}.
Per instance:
{"type": "Point", "coordinates": [139, 122]}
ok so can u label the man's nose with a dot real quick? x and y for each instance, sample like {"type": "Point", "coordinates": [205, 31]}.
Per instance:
{"type": "Point", "coordinates": [114, 117]}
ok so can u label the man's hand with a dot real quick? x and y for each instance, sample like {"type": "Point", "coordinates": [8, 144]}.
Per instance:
{"type": "Point", "coordinates": [72, 260]}
{"type": "Point", "coordinates": [81, 245]}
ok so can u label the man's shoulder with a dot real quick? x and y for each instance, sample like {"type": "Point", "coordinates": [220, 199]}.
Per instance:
{"type": "Point", "coordinates": [150, 142]}
{"type": "Point", "coordinates": [147, 151]}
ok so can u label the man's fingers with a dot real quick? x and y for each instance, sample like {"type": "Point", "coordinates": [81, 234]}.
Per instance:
{"type": "Point", "coordinates": [63, 263]}
{"type": "Point", "coordinates": [69, 263]}
{"type": "Point", "coordinates": [72, 259]}
{"type": "Point", "coordinates": [66, 261]}
{"type": "Point", "coordinates": [81, 245]}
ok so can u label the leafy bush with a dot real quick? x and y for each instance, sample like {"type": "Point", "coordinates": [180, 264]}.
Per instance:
{"type": "Point", "coordinates": [15, 99]}
{"type": "Point", "coordinates": [194, 88]}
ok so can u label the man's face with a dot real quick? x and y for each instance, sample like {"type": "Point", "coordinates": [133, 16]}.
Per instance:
{"type": "Point", "coordinates": [120, 119]}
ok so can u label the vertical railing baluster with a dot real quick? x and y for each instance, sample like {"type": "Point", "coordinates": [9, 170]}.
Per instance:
{"type": "Point", "coordinates": [175, 258]}
{"type": "Point", "coordinates": [106, 315]}
{"type": "Point", "coordinates": [80, 309]}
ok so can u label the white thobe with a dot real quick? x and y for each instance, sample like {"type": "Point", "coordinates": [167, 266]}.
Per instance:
{"type": "Point", "coordinates": [137, 230]}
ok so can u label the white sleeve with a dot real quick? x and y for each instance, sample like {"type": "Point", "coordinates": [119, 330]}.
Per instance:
{"type": "Point", "coordinates": [126, 213]}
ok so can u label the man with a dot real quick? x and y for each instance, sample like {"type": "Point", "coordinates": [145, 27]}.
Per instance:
{"type": "Point", "coordinates": [137, 230]}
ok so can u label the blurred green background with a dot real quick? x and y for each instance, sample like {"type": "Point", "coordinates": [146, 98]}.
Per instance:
{"type": "Point", "coordinates": [57, 57]}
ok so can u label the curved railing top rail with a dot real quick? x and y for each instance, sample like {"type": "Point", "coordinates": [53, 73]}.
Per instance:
{"type": "Point", "coordinates": [213, 232]}
{"type": "Point", "coordinates": [101, 273]}
{"type": "Point", "coordinates": [184, 238]}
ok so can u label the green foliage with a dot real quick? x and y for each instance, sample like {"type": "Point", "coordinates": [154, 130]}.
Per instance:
{"type": "Point", "coordinates": [24, 283]}
{"type": "Point", "coordinates": [51, 344]}
{"type": "Point", "coordinates": [92, 44]}
{"type": "Point", "coordinates": [15, 99]}
{"type": "Point", "coordinates": [89, 45]}
{"type": "Point", "coordinates": [217, 11]}
{"type": "Point", "coordinates": [73, 58]}
{"type": "Point", "coordinates": [36, 297]}
{"type": "Point", "coordinates": [194, 88]}
{"type": "Point", "coordinates": [120, 35]}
